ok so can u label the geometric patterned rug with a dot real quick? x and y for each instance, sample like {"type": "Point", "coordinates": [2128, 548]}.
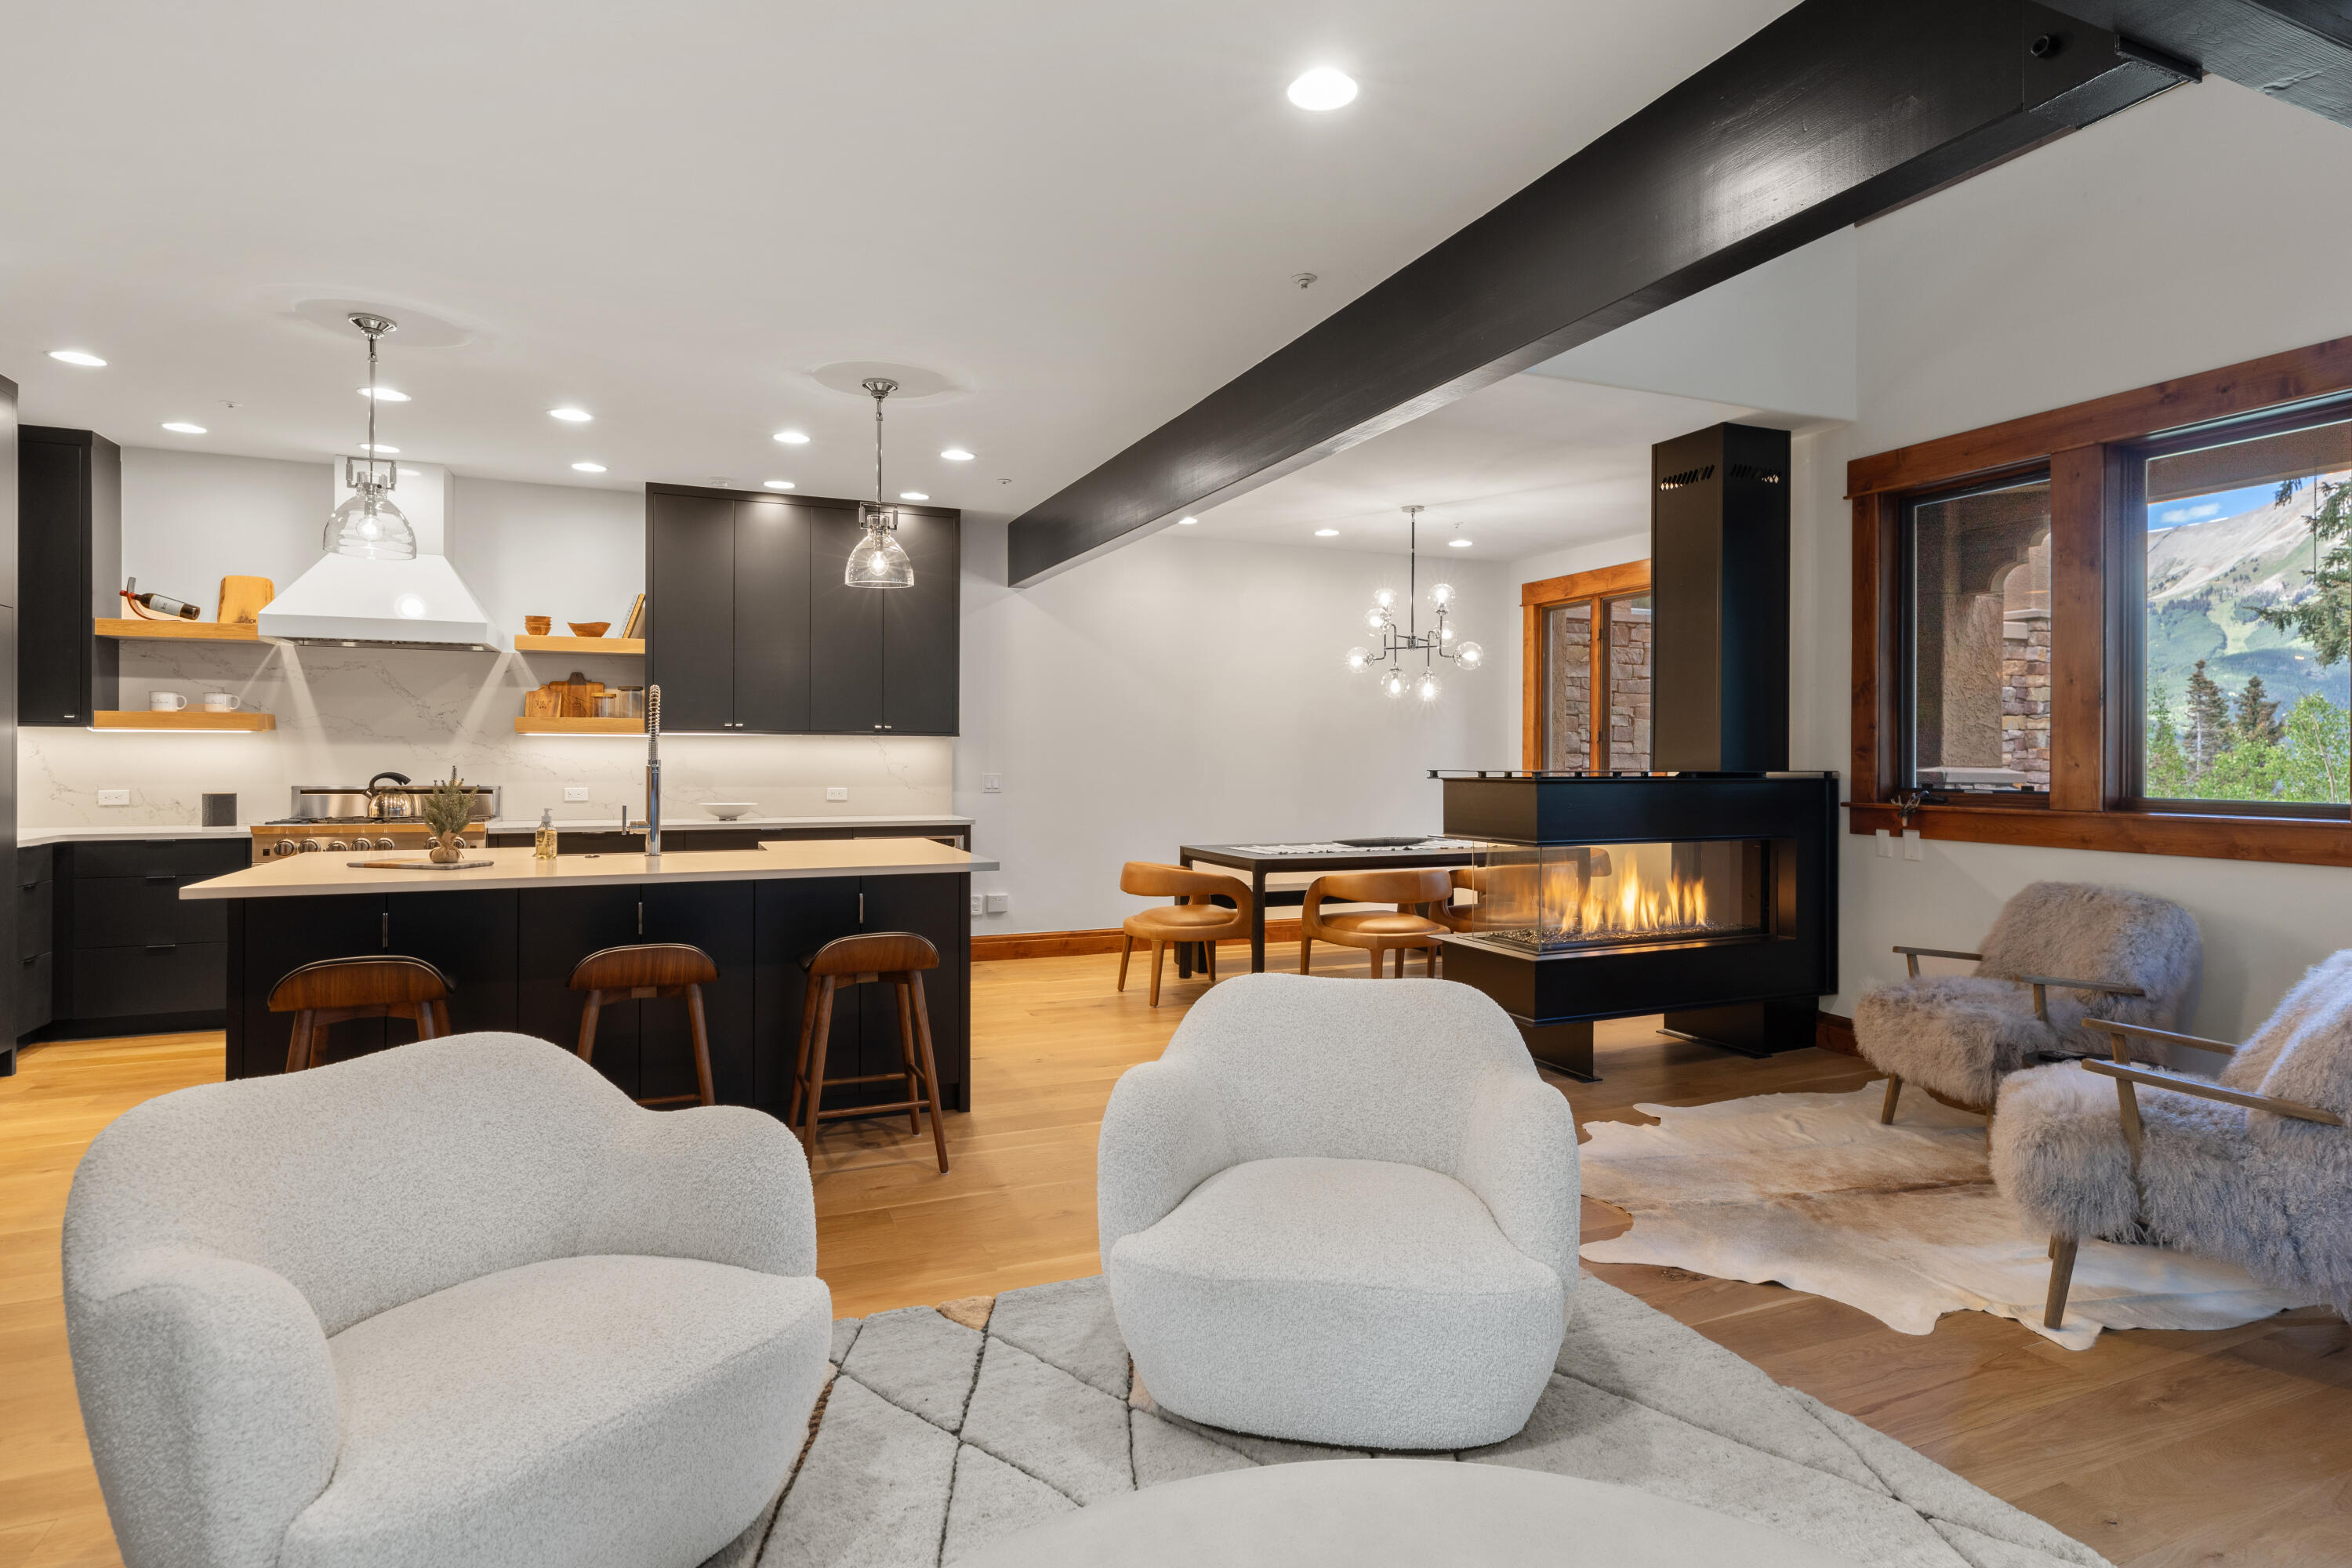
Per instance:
{"type": "Point", "coordinates": [944, 1430]}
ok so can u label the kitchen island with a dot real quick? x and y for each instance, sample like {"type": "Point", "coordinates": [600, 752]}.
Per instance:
{"type": "Point", "coordinates": [507, 934]}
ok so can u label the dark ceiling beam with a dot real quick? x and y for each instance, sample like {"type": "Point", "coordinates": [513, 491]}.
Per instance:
{"type": "Point", "coordinates": [2299, 51]}
{"type": "Point", "coordinates": [1838, 109]}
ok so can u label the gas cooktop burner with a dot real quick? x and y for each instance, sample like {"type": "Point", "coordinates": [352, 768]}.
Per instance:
{"type": "Point", "coordinates": [345, 821]}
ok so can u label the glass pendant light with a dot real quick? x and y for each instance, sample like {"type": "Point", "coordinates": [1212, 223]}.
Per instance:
{"type": "Point", "coordinates": [878, 561]}
{"type": "Point", "coordinates": [368, 525]}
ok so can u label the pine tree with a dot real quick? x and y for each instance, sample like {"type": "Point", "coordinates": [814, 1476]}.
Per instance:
{"type": "Point", "coordinates": [2209, 732]}
{"type": "Point", "coordinates": [2258, 721]}
{"type": "Point", "coordinates": [2166, 771]}
{"type": "Point", "coordinates": [2324, 619]}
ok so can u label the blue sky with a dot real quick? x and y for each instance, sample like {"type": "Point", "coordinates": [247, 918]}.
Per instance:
{"type": "Point", "coordinates": [2205, 509]}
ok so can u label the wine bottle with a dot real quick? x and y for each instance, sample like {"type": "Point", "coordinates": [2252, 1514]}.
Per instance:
{"type": "Point", "coordinates": [161, 605]}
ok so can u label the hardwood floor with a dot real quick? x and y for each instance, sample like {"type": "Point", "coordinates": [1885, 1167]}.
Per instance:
{"type": "Point", "coordinates": [2160, 1450]}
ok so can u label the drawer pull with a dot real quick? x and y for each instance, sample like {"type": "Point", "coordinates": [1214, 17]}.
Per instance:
{"type": "Point", "coordinates": [162, 947]}
{"type": "Point", "coordinates": [162, 876]}
{"type": "Point", "coordinates": [29, 962]}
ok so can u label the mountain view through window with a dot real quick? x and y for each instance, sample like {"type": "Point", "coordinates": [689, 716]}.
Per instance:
{"type": "Point", "coordinates": [2246, 679]}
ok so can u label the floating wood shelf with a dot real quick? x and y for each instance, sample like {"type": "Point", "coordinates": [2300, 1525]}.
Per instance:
{"type": "Point", "coordinates": [185, 719]}
{"type": "Point", "coordinates": [178, 631]}
{"type": "Point", "coordinates": [629, 647]}
{"type": "Point", "coordinates": [580, 726]}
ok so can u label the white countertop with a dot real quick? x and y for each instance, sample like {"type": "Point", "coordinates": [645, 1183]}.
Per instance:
{"type": "Point", "coordinates": [303, 876]}
{"type": "Point", "coordinates": [36, 838]}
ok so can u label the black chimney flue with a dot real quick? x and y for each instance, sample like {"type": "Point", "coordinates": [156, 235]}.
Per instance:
{"type": "Point", "coordinates": [1719, 601]}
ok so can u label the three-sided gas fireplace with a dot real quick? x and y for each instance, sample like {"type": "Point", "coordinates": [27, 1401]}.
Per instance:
{"type": "Point", "coordinates": [1709, 897]}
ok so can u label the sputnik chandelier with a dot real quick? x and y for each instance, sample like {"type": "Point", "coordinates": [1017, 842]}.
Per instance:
{"type": "Point", "coordinates": [1391, 660]}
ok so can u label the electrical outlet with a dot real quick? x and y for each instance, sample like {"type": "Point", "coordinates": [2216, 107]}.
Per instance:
{"type": "Point", "coordinates": [1886, 842]}
{"type": "Point", "coordinates": [975, 904]}
{"type": "Point", "coordinates": [1911, 846]}
{"type": "Point", "coordinates": [575, 792]}
{"type": "Point", "coordinates": [999, 903]}
{"type": "Point", "coordinates": [836, 791]}
{"type": "Point", "coordinates": [114, 797]}
{"type": "Point", "coordinates": [992, 783]}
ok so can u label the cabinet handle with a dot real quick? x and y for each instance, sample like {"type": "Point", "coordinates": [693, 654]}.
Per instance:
{"type": "Point", "coordinates": [861, 909]}
{"type": "Point", "coordinates": [28, 887]}
{"type": "Point", "coordinates": [161, 876]}
{"type": "Point", "coordinates": [386, 931]}
{"type": "Point", "coordinates": [162, 947]}
{"type": "Point", "coordinates": [641, 917]}
{"type": "Point", "coordinates": [28, 963]}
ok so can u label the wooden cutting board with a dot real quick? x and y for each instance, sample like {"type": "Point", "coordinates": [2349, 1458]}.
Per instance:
{"type": "Point", "coordinates": [574, 698]}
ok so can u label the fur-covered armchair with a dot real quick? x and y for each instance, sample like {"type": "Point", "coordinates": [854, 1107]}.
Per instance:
{"type": "Point", "coordinates": [2254, 1168]}
{"type": "Point", "coordinates": [2057, 952]}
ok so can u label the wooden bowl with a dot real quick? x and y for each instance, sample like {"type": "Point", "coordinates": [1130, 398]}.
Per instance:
{"type": "Point", "coordinates": [589, 628]}
{"type": "Point", "coordinates": [536, 625]}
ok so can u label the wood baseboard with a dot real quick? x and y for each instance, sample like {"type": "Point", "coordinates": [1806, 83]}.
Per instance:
{"type": "Point", "coordinates": [1834, 1033]}
{"type": "Point", "coordinates": [1072, 944]}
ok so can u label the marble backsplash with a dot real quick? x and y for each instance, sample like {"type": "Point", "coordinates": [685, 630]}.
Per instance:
{"type": "Point", "coordinates": [346, 713]}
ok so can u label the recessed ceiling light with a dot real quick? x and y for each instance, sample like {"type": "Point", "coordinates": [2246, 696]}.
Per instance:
{"type": "Point", "coordinates": [570, 415]}
{"type": "Point", "coordinates": [1186, 522]}
{"type": "Point", "coordinates": [956, 455]}
{"type": "Point", "coordinates": [82, 357]}
{"type": "Point", "coordinates": [793, 438]}
{"type": "Point", "coordinates": [589, 468]}
{"type": "Point", "coordinates": [1326, 533]}
{"type": "Point", "coordinates": [1323, 87]}
{"type": "Point", "coordinates": [383, 394]}
{"type": "Point", "coordinates": [1458, 543]}
{"type": "Point", "coordinates": [779, 484]}
{"type": "Point", "coordinates": [912, 495]}
{"type": "Point", "coordinates": [182, 427]}
{"type": "Point", "coordinates": [364, 445]}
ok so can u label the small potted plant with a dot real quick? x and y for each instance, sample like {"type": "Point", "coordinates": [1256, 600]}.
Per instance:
{"type": "Point", "coordinates": [446, 811]}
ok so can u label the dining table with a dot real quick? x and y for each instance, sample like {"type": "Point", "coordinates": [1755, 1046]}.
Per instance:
{"type": "Point", "coordinates": [1258, 861]}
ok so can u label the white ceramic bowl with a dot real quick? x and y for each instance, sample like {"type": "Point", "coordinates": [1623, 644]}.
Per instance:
{"type": "Point", "coordinates": [728, 810]}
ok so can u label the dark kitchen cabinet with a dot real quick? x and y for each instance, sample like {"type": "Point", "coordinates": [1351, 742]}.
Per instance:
{"type": "Point", "coordinates": [772, 632]}
{"type": "Point", "coordinates": [26, 995]}
{"type": "Point", "coordinates": [127, 954]}
{"type": "Point", "coordinates": [933, 908]}
{"type": "Point", "coordinates": [726, 592]}
{"type": "Point", "coordinates": [752, 628]}
{"type": "Point", "coordinates": [68, 560]}
{"type": "Point", "coordinates": [690, 607]}
{"type": "Point", "coordinates": [269, 939]}
{"type": "Point", "coordinates": [560, 927]}
{"type": "Point", "coordinates": [471, 938]}
{"type": "Point", "coordinates": [35, 910]}
{"type": "Point", "coordinates": [718, 917]}
{"type": "Point", "coordinates": [795, 919]}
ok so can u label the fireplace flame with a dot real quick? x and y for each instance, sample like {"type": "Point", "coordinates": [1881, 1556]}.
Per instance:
{"type": "Point", "coordinates": [1610, 897]}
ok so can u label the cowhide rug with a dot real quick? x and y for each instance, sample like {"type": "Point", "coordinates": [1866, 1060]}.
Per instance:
{"type": "Point", "coordinates": [1902, 1221]}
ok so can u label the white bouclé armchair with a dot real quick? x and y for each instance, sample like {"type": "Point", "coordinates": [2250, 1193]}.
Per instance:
{"type": "Point", "coordinates": [457, 1302]}
{"type": "Point", "coordinates": [1342, 1214]}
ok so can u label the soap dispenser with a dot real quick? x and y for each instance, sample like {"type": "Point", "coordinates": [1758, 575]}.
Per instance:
{"type": "Point", "coordinates": [542, 844]}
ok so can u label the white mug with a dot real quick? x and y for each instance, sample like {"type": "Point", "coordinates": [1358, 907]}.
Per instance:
{"type": "Point", "coordinates": [165, 703]}
{"type": "Point", "coordinates": [219, 702]}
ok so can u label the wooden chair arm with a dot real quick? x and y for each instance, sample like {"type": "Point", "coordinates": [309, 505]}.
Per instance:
{"type": "Point", "coordinates": [2129, 1073]}
{"type": "Point", "coordinates": [2196, 1042]}
{"type": "Point", "coordinates": [1912, 955]}
{"type": "Point", "coordinates": [2047, 980]}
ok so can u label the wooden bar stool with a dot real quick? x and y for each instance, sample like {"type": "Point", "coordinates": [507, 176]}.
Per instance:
{"type": "Point", "coordinates": [1380, 934]}
{"type": "Point", "coordinates": [893, 958]}
{"type": "Point", "coordinates": [644, 970]}
{"type": "Point", "coordinates": [334, 990]}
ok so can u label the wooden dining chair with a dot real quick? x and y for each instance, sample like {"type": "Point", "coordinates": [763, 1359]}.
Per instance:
{"type": "Point", "coordinates": [1193, 918]}
{"type": "Point", "coordinates": [335, 990]}
{"type": "Point", "coordinates": [647, 969]}
{"type": "Point", "coordinates": [1414, 893]}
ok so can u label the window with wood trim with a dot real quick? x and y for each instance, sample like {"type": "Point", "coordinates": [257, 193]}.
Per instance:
{"type": "Point", "coordinates": [2133, 616]}
{"type": "Point", "coordinates": [1586, 665]}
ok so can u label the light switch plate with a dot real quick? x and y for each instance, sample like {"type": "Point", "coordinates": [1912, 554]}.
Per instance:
{"type": "Point", "coordinates": [114, 797]}
{"type": "Point", "coordinates": [836, 791]}
{"type": "Point", "coordinates": [998, 903]}
{"type": "Point", "coordinates": [1886, 842]}
{"type": "Point", "coordinates": [992, 783]}
{"type": "Point", "coordinates": [1911, 846]}
{"type": "Point", "coordinates": [975, 904]}
{"type": "Point", "coordinates": [575, 792]}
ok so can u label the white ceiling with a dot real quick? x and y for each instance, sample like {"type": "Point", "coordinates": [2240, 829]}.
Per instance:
{"type": "Point", "coordinates": [1529, 464]}
{"type": "Point", "coordinates": [1084, 215]}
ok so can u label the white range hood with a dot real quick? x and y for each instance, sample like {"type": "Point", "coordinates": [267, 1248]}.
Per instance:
{"type": "Point", "coordinates": [345, 602]}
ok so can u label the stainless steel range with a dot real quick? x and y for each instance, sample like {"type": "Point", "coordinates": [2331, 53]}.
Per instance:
{"type": "Point", "coordinates": [388, 813]}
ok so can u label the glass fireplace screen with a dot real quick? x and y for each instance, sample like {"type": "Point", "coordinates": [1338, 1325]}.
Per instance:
{"type": "Point", "coordinates": [1551, 897]}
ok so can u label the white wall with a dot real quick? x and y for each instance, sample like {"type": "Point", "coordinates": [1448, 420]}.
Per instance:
{"type": "Point", "coordinates": [1193, 691]}
{"type": "Point", "coordinates": [2194, 231]}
